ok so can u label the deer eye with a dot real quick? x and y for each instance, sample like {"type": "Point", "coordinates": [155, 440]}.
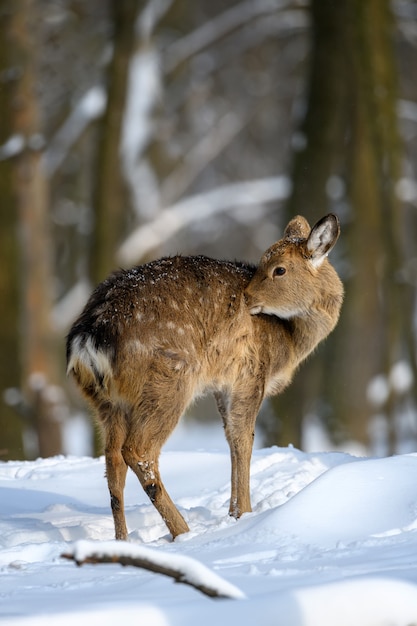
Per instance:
{"type": "Point", "coordinates": [279, 271]}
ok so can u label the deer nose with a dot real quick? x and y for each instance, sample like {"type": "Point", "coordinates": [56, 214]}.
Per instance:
{"type": "Point", "coordinates": [253, 307]}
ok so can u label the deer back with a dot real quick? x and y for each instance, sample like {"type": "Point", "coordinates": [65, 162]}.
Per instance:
{"type": "Point", "coordinates": [185, 315]}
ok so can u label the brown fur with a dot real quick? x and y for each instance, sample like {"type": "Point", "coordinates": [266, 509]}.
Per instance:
{"type": "Point", "coordinates": [153, 338]}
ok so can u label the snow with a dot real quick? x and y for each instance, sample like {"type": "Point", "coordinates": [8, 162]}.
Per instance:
{"type": "Point", "coordinates": [91, 106]}
{"type": "Point", "coordinates": [331, 541]}
{"type": "Point", "coordinates": [70, 306]}
{"type": "Point", "coordinates": [378, 390]}
{"type": "Point", "coordinates": [401, 377]}
{"type": "Point", "coordinates": [143, 92]}
{"type": "Point", "coordinates": [12, 147]}
{"type": "Point", "coordinates": [399, 381]}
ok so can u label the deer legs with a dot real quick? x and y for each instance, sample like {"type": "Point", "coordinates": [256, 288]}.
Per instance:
{"type": "Point", "coordinates": [239, 421]}
{"type": "Point", "coordinates": [134, 439]}
{"type": "Point", "coordinates": [134, 443]}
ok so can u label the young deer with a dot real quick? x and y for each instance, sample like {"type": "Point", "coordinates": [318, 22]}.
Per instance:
{"type": "Point", "coordinates": [153, 338]}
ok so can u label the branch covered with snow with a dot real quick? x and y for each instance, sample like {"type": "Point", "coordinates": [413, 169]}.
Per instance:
{"type": "Point", "coordinates": [196, 208]}
{"type": "Point", "coordinates": [213, 30]}
{"type": "Point", "coordinates": [90, 107]}
{"type": "Point", "coordinates": [182, 569]}
{"type": "Point", "coordinates": [12, 147]}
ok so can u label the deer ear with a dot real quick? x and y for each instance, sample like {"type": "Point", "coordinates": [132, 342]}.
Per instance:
{"type": "Point", "coordinates": [322, 238]}
{"type": "Point", "coordinates": [297, 228]}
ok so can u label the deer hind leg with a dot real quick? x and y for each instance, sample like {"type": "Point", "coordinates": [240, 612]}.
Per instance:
{"type": "Point", "coordinates": [239, 416]}
{"type": "Point", "coordinates": [115, 434]}
{"type": "Point", "coordinates": [141, 453]}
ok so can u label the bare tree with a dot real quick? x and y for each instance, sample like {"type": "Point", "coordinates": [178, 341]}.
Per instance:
{"type": "Point", "coordinates": [110, 200]}
{"type": "Point", "coordinates": [31, 192]}
{"type": "Point", "coordinates": [10, 370]}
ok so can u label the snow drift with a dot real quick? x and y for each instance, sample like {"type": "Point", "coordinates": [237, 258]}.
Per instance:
{"type": "Point", "coordinates": [331, 542]}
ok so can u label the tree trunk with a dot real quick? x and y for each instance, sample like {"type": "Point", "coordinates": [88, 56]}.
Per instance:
{"type": "Point", "coordinates": [31, 192]}
{"type": "Point", "coordinates": [350, 131]}
{"type": "Point", "coordinates": [319, 154]}
{"type": "Point", "coordinates": [10, 370]}
{"type": "Point", "coordinates": [110, 198]}
{"type": "Point", "coordinates": [378, 307]}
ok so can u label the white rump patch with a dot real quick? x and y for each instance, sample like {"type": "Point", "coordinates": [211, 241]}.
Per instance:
{"type": "Point", "coordinates": [92, 358]}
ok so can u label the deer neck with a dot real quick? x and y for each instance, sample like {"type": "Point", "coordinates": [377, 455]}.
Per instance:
{"type": "Point", "coordinates": [310, 328]}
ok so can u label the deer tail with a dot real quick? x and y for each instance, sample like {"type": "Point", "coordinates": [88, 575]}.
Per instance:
{"type": "Point", "coordinates": [90, 365]}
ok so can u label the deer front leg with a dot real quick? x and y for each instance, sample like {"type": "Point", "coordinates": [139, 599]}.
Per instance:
{"type": "Point", "coordinates": [240, 453]}
{"type": "Point", "coordinates": [239, 416]}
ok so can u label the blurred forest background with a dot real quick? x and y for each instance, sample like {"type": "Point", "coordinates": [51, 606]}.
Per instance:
{"type": "Point", "coordinates": [131, 130]}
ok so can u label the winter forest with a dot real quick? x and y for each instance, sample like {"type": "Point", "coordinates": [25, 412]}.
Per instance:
{"type": "Point", "coordinates": [131, 130]}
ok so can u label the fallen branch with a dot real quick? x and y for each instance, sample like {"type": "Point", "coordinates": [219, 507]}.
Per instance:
{"type": "Point", "coordinates": [182, 569]}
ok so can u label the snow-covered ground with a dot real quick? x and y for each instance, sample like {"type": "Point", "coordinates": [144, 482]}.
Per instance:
{"type": "Point", "coordinates": [332, 541]}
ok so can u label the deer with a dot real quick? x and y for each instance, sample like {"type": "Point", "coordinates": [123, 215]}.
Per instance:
{"type": "Point", "coordinates": [153, 338]}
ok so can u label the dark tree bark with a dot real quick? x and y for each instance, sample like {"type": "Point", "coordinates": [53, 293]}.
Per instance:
{"type": "Point", "coordinates": [30, 192]}
{"type": "Point", "coordinates": [375, 332]}
{"type": "Point", "coordinates": [318, 154]}
{"type": "Point", "coordinates": [10, 369]}
{"type": "Point", "coordinates": [110, 198]}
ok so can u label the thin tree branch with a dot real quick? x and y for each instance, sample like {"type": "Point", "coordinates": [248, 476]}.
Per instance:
{"type": "Point", "coordinates": [218, 27]}
{"type": "Point", "coordinates": [201, 154]}
{"type": "Point", "coordinates": [181, 568]}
